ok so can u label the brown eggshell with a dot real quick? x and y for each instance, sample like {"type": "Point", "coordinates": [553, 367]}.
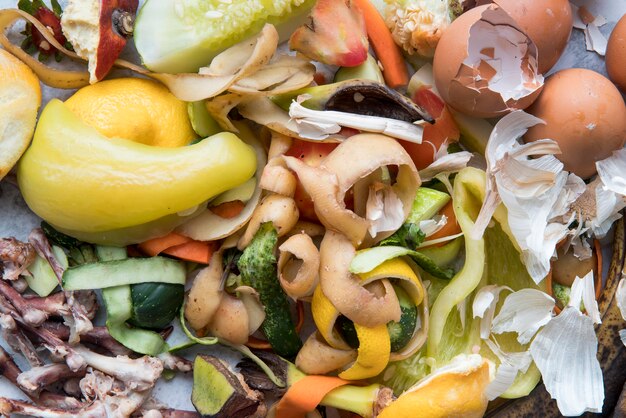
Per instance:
{"type": "Point", "coordinates": [547, 22]}
{"type": "Point", "coordinates": [616, 55]}
{"type": "Point", "coordinates": [585, 114]}
{"type": "Point", "coordinates": [448, 70]}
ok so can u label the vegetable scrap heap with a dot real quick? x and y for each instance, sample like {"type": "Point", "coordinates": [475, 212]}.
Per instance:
{"type": "Point", "coordinates": [340, 217]}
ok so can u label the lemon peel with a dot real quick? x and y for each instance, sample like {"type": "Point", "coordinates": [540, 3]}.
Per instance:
{"type": "Point", "coordinates": [373, 353]}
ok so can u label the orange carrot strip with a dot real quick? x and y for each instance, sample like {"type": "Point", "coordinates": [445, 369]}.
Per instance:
{"type": "Point", "coordinates": [156, 246]}
{"type": "Point", "coordinates": [304, 395]}
{"type": "Point", "coordinates": [196, 251]}
{"type": "Point", "coordinates": [387, 52]}
{"type": "Point", "coordinates": [228, 210]}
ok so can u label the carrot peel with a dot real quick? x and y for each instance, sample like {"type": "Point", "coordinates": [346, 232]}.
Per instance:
{"type": "Point", "coordinates": [304, 395]}
{"type": "Point", "coordinates": [387, 52]}
{"type": "Point", "coordinates": [179, 246]}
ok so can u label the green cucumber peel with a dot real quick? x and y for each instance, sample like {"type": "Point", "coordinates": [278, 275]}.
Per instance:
{"type": "Point", "coordinates": [105, 274]}
{"type": "Point", "coordinates": [257, 266]}
{"type": "Point", "coordinates": [190, 335]}
{"type": "Point", "coordinates": [368, 259]}
{"type": "Point", "coordinates": [105, 253]}
{"type": "Point", "coordinates": [118, 304]}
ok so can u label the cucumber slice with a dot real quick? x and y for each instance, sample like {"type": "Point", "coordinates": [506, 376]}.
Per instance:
{"type": "Point", "coordinates": [369, 70]}
{"type": "Point", "coordinates": [106, 274]}
{"type": "Point", "coordinates": [175, 36]}
{"type": "Point", "coordinates": [42, 279]}
{"type": "Point", "coordinates": [426, 204]}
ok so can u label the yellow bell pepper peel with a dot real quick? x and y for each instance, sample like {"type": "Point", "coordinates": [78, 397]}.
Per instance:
{"type": "Point", "coordinates": [77, 179]}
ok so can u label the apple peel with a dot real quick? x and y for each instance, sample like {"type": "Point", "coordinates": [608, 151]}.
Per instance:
{"type": "Point", "coordinates": [98, 30]}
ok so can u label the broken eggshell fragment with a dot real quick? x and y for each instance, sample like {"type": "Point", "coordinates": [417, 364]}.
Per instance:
{"type": "Point", "coordinates": [548, 23]}
{"type": "Point", "coordinates": [485, 65]}
{"type": "Point", "coordinates": [98, 30]}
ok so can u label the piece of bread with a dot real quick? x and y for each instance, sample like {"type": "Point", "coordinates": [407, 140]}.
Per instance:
{"type": "Point", "coordinates": [20, 98]}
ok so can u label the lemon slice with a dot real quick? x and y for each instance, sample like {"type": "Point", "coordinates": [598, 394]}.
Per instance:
{"type": "Point", "coordinates": [20, 98]}
{"type": "Point", "coordinates": [455, 390]}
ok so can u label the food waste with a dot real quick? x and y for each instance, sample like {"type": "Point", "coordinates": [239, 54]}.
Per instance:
{"type": "Point", "coordinates": [385, 208]}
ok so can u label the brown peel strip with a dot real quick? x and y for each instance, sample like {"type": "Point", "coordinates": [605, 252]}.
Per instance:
{"type": "Point", "coordinates": [276, 178]}
{"type": "Point", "coordinates": [50, 76]}
{"type": "Point", "coordinates": [312, 229]}
{"type": "Point", "coordinates": [353, 160]}
{"type": "Point", "coordinates": [285, 74]}
{"type": "Point", "coordinates": [330, 208]}
{"type": "Point", "coordinates": [230, 321]}
{"type": "Point", "coordinates": [347, 292]}
{"type": "Point", "coordinates": [219, 107]}
{"type": "Point", "coordinates": [280, 210]}
{"type": "Point", "coordinates": [279, 144]}
{"type": "Point", "coordinates": [317, 357]}
{"type": "Point", "coordinates": [206, 294]}
{"type": "Point", "coordinates": [298, 266]}
{"type": "Point", "coordinates": [254, 308]}
{"type": "Point", "coordinates": [237, 62]}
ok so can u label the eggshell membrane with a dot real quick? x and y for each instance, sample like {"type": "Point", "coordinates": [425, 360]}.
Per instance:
{"type": "Point", "coordinates": [616, 55]}
{"type": "Point", "coordinates": [585, 114]}
{"type": "Point", "coordinates": [449, 56]}
{"type": "Point", "coordinates": [547, 22]}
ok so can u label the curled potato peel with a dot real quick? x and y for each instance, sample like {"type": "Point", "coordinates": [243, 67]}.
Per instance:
{"type": "Point", "coordinates": [353, 160]}
{"type": "Point", "coordinates": [298, 266]}
{"type": "Point", "coordinates": [347, 292]}
{"type": "Point", "coordinates": [280, 210]}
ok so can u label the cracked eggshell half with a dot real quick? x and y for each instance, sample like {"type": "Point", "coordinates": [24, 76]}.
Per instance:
{"type": "Point", "coordinates": [585, 114]}
{"type": "Point", "coordinates": [485, 65]}
{"type": "Point", "coordinates": [547, 22]}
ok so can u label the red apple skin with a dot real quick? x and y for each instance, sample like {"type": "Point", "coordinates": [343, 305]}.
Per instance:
{"type": "Point", "coordinates": [111, 43]}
